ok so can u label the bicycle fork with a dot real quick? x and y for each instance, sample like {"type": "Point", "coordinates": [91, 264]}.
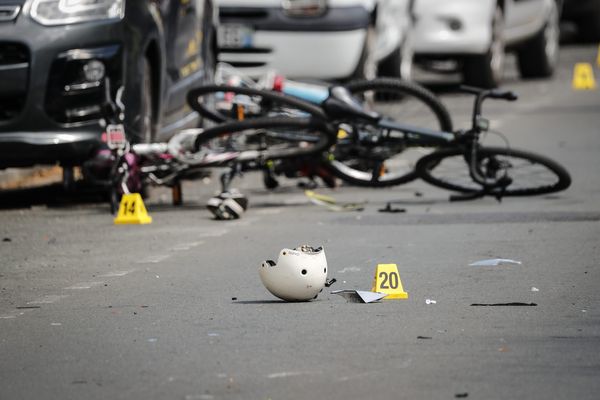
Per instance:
{"type": "Point", "coordinates": [484, 171]}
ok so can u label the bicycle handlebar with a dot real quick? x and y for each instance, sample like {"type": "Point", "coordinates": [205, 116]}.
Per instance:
{"type": "Point", "coordinates": [507, 95]}
{"type": "Point", "coordinates": [482, 94]}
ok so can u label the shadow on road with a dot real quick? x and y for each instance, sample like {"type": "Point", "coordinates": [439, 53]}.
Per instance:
{"type": "Point", "coordinates": [53, 195]}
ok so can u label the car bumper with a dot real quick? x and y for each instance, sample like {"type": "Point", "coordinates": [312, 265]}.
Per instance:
{"type": "Point", "coordinates": [47, 114]}
{"type": "Point", "coordinates": [295, 54]}
{"type": "Point", "coordinates": [22, 149]}
{"type": "Point", "coordinates": [326, 47]}
{"type": "Point", "coordinates": [445, 28]}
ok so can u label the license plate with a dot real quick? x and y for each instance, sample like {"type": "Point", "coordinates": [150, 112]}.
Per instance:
{"type": "Point", "coordinates": [235, 36]}
{"type": "Point", "coordinates": [115, 137]}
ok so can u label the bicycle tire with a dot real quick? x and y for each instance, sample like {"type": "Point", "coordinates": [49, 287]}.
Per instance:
{"type": "Point", "coordinates": [210, 112]}
{"type": "Point", "coordinates": [417, 105]}
{"type": "Point", "coordinates": [434, 169]}
{"type": "Point", "coordinates": [321, 134]}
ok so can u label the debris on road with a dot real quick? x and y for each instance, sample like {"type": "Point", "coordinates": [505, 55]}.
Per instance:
{"type": "Point", "coordinates": [389, 209]}
{"type": "Point", "coordinates": [359, 296]}
{"type": "Point", "coordinates": [534, 289]}
{"type": "Point", "coordinates": [424, 337]}
{"type": "Point", "coordinates": [493, 262]}
{"type": "Point", "coordinates": [7, 239]}
{"type": "Point", "coordinates": [228, 205]}
{"type": "Point", "coordinates": [348, 269]}
{"type": "Point", "coordinates": [513, 304]}
{"type": "Point", "coordinates": [331, 203]}
{"type": "Point", "coordinates": [430, 301]}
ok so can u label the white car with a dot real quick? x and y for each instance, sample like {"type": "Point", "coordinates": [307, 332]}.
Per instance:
{"type": "Point", "coordinates": [477, 33]}
{"type": "Point", "coordinates": [322, 39]}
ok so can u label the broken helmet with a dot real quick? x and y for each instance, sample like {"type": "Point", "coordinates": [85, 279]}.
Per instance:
{"type": "Point", "coordinates": [299, 274]}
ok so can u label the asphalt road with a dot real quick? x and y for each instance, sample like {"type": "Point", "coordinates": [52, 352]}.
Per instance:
{"type": "Point", "coordinates": [176, 309]}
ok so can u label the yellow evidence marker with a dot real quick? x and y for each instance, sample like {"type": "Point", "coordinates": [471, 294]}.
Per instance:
{"type": "Point", "coordinates": [583, 77]}
{"type": "Point", "coordinates": [387, 280]}
{"type": "Point", "coordinates": [132, 210]}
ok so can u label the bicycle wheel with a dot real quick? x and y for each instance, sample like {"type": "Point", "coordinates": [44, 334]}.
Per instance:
{"type": "Point", "coordinates": [268, 138]}
{"type": "Point", "coordinates": [359, 158]}
{"type": "Point", "coordinates": [230, 103]}
{"type": "Point", "coordinates": [531, 174]}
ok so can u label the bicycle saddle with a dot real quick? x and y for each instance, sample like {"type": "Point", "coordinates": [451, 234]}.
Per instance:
{"type": "Point", "coordinates": [341, 105]}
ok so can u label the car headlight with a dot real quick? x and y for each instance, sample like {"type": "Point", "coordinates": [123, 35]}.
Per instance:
{"type": "Point", "coordinates": [304, 8]}
{"type": "Point", "coordinates": [62, 12]}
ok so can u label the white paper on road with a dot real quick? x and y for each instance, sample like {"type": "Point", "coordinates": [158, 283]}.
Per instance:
{"type": "Point", "coordinates": [359, 296]}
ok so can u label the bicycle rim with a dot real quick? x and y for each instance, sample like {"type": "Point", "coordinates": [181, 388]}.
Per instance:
{"type": "Point", "coordinates": [531, 174]}
{"type": "Point", "coordinates": [386, 163]}
{"type": "Point", "coordinates": [262, 139]}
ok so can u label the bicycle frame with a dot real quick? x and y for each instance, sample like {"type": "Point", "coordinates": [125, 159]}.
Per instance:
{"type": "Point", "coordinates": [415, 135]}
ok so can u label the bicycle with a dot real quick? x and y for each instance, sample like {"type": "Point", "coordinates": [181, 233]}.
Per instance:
{"type": "Point", "coordinates": [492, 171]}
{"type": "Point", "coordinates": [122, 167]}
{"type": "Point", "coordinates": [358, 157]}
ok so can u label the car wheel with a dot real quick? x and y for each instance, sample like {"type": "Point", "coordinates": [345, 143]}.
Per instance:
{"type": "Point", "coordinates": [486, 70]}
{"type": "Point", "coordinates": [399, 63]}
{"type": "Point", "coordinates": [139, 111]}
{"type": "Point", "coordinates": [589, 26]}
{"type": "Point", "coordinates": [538, 57]}
{"type": "Point", "coordinates": [367, 66]}
{"type": "Point", "coordinates": [209, 58]}
{"type": "Point", "coordinates": [145, 126]}
{"type": "Point", "coordinates": [146, 108]}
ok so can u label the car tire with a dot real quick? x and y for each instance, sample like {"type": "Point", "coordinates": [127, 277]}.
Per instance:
{"type": "Point", "coordinates": [398, 64]}
{"type": "Point", "coordinates": [538, 56]}
{"type": "Point", "coordinates": [142, 121]}
{"type": "Point", "coordinates": [367, 66]}
{"type": "Point", "coordinates": [145, 125]}
{"type": "Point", "coordinates": [146, 106]}
{"type": "Point", "coordinates": [589, 26]}
{"type": "Point", "coordinates": [486, 70]}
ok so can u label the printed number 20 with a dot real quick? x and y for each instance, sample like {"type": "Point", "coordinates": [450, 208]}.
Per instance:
{"type": "Point", "coordinates": [389, 281]}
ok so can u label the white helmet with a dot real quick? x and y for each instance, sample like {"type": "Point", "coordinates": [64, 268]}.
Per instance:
{"type": "Point", "coordinates": [298, 275]}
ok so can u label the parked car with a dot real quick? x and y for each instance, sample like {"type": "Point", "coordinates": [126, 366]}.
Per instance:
{"type": "Point", "coordinates": [58, 58]}
{"type": "Point", "coordinates": [477, 33]}
{"type": "Point", "coordinates": [586, 15]}
{"type": "Point", "coordinates": [323, 39]}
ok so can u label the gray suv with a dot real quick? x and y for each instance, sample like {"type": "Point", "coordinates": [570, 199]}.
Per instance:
{"type": "Point", "coordinates": [59, 58]}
